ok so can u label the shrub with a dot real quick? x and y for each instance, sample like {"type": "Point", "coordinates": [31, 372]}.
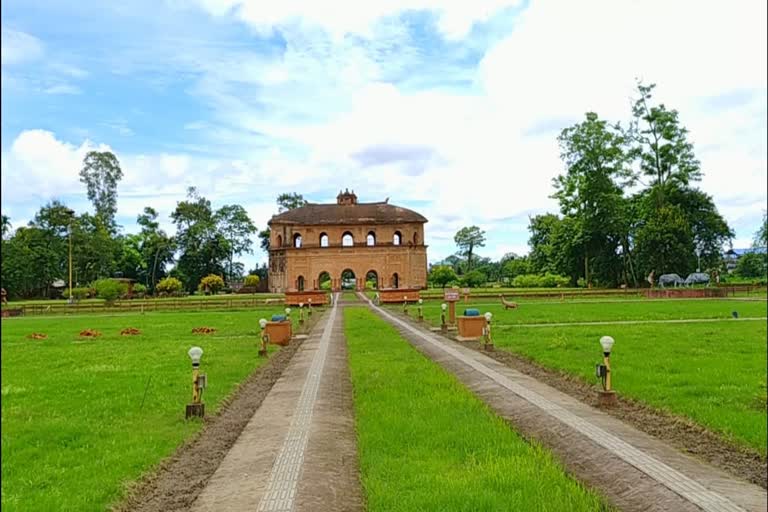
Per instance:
{"type": "Point", "coordinates": [169, 286]}
{"type": "Point", "coordinates": [526, 281]}
{"type": "Point", "coordinates": [211, 284]}
{"type": "Point", "coordinates": [474, 278]}
{"type": "Point", "coordinates": [77, 293]}
{"type": "Point", "coordinates": [553, 281]}
{"type": "Point", "coordinates": [109, 289]}
{"type": "Point", "coordinates": [251, 280]}
{"type": "Point", "coordinates": [139, 290]}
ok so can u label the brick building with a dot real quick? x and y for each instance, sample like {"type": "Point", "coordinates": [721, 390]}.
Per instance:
{"type": "Point", "coordinates": [378, 242]}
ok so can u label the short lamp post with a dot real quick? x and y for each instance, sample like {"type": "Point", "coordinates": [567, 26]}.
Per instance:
{"type": "Point", "coordinates": [488, 340]}
{"type": "Point", "coordinates": [288, 314]}
{"type": "Point", "coordinates": [309, 307]}
{"type": "Point", "coordinates": [607, 396]}
{"type": "Point", "coordinates": [421, 311]}
{"type": "Point", "coordinates": [301, 313]}
{"type": "Point", "coordinates": [443, 326]}
{"type": "Point", "coordinates": [264, 338]}
{"type": "Point", "coordinates": [405, 305]}
{"type": "Point", "coordinates": [196, 408]}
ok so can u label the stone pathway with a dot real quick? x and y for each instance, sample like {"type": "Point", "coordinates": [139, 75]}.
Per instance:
{"type": "Point", "coordinates": [298, 452]}
{"type": "Point", "coordinates": [632, 469]}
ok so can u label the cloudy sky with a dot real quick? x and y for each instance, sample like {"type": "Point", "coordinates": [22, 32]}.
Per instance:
{"type": "Point", "coordinates": [450, 108]}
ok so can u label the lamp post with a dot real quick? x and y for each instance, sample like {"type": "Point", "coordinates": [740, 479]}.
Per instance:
{"type": "Point", "coordinates": [488, 339]}
{"type": "Point", "coordinates": [196, 408]}
{"type": "Point", "coordinates": [264, 338]}
{"type": "Point", "coordinates": [421, 311]}
{"type": "Point", "coordinates": [405, 304]}
{"type": "Point", "coordinates": [443, 307]}
{"type": "Point", "coordinates": [301, 313]}
{"type": "Point", "coordinates": [71, 214]}
{"type": "Point", "coordinates": [309, 310]}
{"type": "Point", "coordinates": [288, 314]}
{"type": "Point", "coordinates": [698, 258]}
{"type": "Point", "coordinates": [607, 396]}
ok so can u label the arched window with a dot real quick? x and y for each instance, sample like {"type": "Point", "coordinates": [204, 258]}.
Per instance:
{"type": "Point", "coordinates": [416, 238]}
{"type": "Point", "coordinates": [300, 283]}
{"type": "Point", "coordinates": [395, 280]}
{"type": "Point", "coordinates": [279, 240]}
{"type": "Point", "coordinates": [297, 240]}
{"type": "Point", "coordinates": [323, 240]}
{"type": "Point", "coordinates": [397, 239]}
{"type": "Point", "coordinates": [371, 238]}
{"type": "Point", "coordinates": [347, 240]}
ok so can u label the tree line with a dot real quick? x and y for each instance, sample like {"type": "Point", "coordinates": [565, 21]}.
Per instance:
{"type": "Point", "coordinates": [207, 241]}
{"type": "Point", "coordinates": [629, 208]}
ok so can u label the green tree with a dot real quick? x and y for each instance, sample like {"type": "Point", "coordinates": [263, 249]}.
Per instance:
{"type": "Point", "coordinates": [204, 249]}
{"type": "Point", "coordinates": [252, 280]}
{"type": "Point", "coordinates": [467, 239]}
{"type": "Point", "coordinates": [752, 265]}
{"type": "Point", "coordinates": [157, 248]}
{"type": "Point", "coordinates": [591, 190]}
{"type": "Point", "coordinates": [233, 222]}
{"type": "Point", "coordinates": [664, 243]}
{"type": "Point", "coordinates": [442, 275]}
{"type": "Point", "coordinates": [6, 226]}
{"type": "Point", "coordinates": [101, 173]}
{"type": "Point", "coordinates": [474, 278]}
{"type": "Point", "coordinates": [516, 267]}
{"type": "Point", "coordinates": [761, 236]}
{"type": "Point", "coordinates": [211, 284]}
{"type": "Point", "coordinates": [661, 144]}
{"type": "Point", "coordinates": [290, 201]}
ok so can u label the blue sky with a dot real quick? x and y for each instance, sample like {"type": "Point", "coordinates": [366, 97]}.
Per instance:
{"type": "Point", "coordinates": [449, 108]}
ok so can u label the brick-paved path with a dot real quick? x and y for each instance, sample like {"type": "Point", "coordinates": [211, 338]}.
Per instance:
{"type": "Point", "coordinates": [632, 469]}
{"type": "Point", "coordinates": [298, 452]}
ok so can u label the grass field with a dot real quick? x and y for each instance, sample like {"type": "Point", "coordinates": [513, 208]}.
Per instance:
{"type": "Point", "coordinates": [76, 423]}
{"type": "Point", "coordinates": [426, 443]}
{"type": "Point", "coordinates": [603, 311]}
{"type": "Point", "coordinates": [711, 372]}
{"type": "Point", "coordinates": [188, 298]}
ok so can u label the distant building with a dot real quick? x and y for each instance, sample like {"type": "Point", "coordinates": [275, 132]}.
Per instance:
{"type": "Point", "coordinates": [379, 243]}
{"type": "Point", "coordinates": [733, 256]}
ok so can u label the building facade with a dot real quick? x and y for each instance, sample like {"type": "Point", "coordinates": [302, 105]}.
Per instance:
{"type": "Point", "coordinates": [347, 243]}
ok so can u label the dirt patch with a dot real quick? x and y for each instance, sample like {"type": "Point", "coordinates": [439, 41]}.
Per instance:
{"type": "Point", "coordinates": [178, 480]}
{"type": "Point", "coordinates": [130, 331]}
{"type": "Point", "coordinates": [679, 432]}
{"type": "Point", "coordinates": [37, 336]}
{"type": "Point", "coordinates": [90, 333]}
{"type": "Point", "coordinates": [203, 330]}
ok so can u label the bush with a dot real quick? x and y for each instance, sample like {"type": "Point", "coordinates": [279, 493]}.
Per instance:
{"type": "Point", "coordinates": [252, 280]}
{"type": "Point", "coordinates": [474, 278]}
{"type": "Point", "coordinates": [77, 293]}
{"type": "Point", "coordinates": [109, 289]}
{"type": "Point", "coordinates": [548, 280]}
{"type": "Point", "coordinates": [169, 286]}
{"type": "Point", "coordinates": [211, 284]}
{"type": "Point", "coordinates": [139, 290]}
{"type": "Point", "coordinates": [526, 281]}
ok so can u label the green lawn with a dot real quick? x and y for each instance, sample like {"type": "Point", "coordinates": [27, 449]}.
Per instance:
{"type": "Point", "coordinates": [426, 443]}
{"type": "Point", "coordinates": [76, 425]}
{"type": "Point", "coordinates": [587, 311]}
{"type": "Point", "coordinates": [188, 298]}
{"type": "Point", "coordinates": [711, 372]}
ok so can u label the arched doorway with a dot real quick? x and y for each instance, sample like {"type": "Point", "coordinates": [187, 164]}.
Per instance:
{"type": "Point", "coordinates": [324, 281]}
{"type": "Point", "coordinates": [348, 280]}
{"type": "Point", "coordinates": [279, 240]}
{"type": "Point", "coordinates": [372, 280]}
{"type": "Point", "coordinates": [395, 280]}
{"type": "Point", "coordinates": [300, 283]}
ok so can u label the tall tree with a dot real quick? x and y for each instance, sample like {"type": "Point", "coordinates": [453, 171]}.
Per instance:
{"type": "Point", "coordinates": [467, 239]}
{"type": "Point", "coordinates": [6, 225]}
{"type": "Point", "coordinates": [590, 191]}
{"type": "Point", "coordinates": [661, 144]}
{"type": "Point", "coordinates": [289, 201]}
{"type": "Point", "coordinates": [157, 248]}
{"type": "Point", "coordinates": [204, 250]}
{"type": "Point", "coordinates": [761, 236]}
{"type": "Point", "coordinates": [101, 173]}
{"type": "Point", "coordinates": [233, 222]}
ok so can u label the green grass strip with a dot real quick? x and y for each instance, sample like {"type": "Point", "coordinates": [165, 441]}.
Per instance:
{"type": "Point", "coordinates": [426, 443]}
{"type": "Point", "coordinates": [82, 417]}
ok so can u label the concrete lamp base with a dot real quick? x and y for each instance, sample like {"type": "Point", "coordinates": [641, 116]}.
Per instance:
{"type": "Point", "coordinates": [488, 347]}
{"type": "Point", "coordinates": [606, 398]}
{"type": "Point", "coordinates": [262, 353]}
{"type": "Point", "coordinates": [196, 410]}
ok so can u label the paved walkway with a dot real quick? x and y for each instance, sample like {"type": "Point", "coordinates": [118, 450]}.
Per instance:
{"type": "Point", "coordinates": [632, 469]}
{"type": "Point", "coordinates": [298, 452]}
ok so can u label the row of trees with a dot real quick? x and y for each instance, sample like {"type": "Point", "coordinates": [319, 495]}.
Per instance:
{"type": "Point", "coordinates": [604, 235]}
{"type": "Point", "coordinates": [207, 240]}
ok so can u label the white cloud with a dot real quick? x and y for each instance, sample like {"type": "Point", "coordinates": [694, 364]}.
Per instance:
{"type": "Point", "coordinates": [19, 47]}
{"type": "Point", "coordinates": [62, 89]}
